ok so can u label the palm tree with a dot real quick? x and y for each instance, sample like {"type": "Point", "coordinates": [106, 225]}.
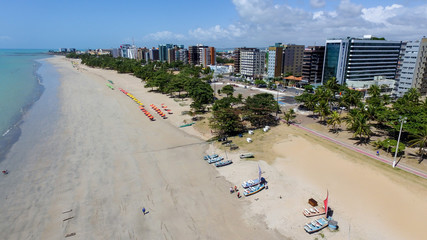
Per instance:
{"type": "Point", "coordinates": [289, 116]}
{"type": "Point", "coordinates": [374, 91]}
{"type": "Point", "coordinates": [322, 108]}
{"type": "Point", "coordinates": [420, 140]}
{"type": "Point", "coordinates": [334, 120]}
{"type": "Point", "coordinates": [357, 123]}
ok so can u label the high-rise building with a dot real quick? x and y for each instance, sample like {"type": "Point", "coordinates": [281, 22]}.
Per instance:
{"type": "Point", "coordinates": [124, 50]}
{"type": "Point", "coordinates": [236, 58]}
{"type": "Point", "coordinates": [312, 66]}
{"type": "Point", "coordinates": [292, 59]}
{"type": "Point", "coordinates": [275, 57]}
{"type": "Point", "coordinates": [204, 56]}
{"type": "Point", "coordinates": [213, 55]}
{"type": "Point", "coordinates": [355, 60]}
{"type": "Point", "coordinates": [171, 55]}
{"type": "Point", "coordinates": [412, 69]}
{"type": "Point", "coordinates": [154, 54]}
{"type": "Point", "coordinates": [183, 55]}
{"type": "Point", "coordinates": [252, 62]}
{"type": "Point", "coordinates": [163, 53]}
{"type": "Point", "coordinates": [193, 58]}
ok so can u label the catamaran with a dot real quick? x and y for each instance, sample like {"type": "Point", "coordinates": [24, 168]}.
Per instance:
{"type": "Point", "coordinates": [252, 190]}
{"type": "Point", "coordinates": [253, 182]}
{"type": "Point", "coordinates": [214, 160]}
{"type": "Point", "coordinates": [208, 157]}
{"type": "Point", "coordinates": [223, 163]}
{"type": "Point", "coordinates": [316, 225]}
{"type": "Point", "coordinates": [317, 211]}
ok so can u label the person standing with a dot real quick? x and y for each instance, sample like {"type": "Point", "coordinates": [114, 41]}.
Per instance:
{"type": "Point", "coordinates": [143, 210]}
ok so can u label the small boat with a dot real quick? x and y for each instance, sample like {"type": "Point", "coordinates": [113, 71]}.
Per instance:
{"type": "Point", "coordinates": [252, 190]}
{"type": "Point", "coordinates": [223, 163]}
{"type": "Point", "coordinates": [214, 160]}
{"type": "Point", "coordinates": [111, 81]}
{"type": "Point", "coordinates": [254, 182]}
{"type": "Point", "coordinates": [251, 183]}
{"type": "Point", "coordinates": [311, 212]}
{"type": "Point", "coordinates": [247, 155]}
{"type": "Point", "coordinates": [316, 225]}
{"type": "Point", "coordinates": [186, 125]}
{"type": "Point", "coordinates": [112, 88]}
{"type": "Point", "coordinates": [207, 157]}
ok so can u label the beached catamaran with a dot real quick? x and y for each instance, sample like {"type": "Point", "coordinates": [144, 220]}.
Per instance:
{"type": "Point", "coordinates": [253, 182]}
{"type": "Point", "coordinates": [252, 190]}
{"type": "Point", "coordinates": [317, 211]}
{"type": "Point", "coordinates": [316, 225]}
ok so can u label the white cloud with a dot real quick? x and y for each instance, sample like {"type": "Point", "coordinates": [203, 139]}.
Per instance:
{"type": "Point", "coordinates": [263, 22]}
{"type": "Point", "coordinates": [164, 36]}
{"type": "Point", "coordinates": [381, 14]}
{"type": "Point", "coordinates": [317, 3]}
{"type": "Point", "coordinates": [348, 8]}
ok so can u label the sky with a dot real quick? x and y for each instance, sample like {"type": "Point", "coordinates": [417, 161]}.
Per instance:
{"type": "Point", "coordinates": [90, 24]}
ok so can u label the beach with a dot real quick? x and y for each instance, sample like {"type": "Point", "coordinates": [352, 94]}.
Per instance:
{"type": "Point", "coordinates": [99, 160]}
{"type": "Point", "coordinates": [102, 161]}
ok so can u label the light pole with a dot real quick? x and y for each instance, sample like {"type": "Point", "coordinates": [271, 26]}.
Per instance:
{"type": "Point", "coordinates": [402, 121]}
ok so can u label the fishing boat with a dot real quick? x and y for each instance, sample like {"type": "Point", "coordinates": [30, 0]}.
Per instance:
{"type": "Point", "coordinates": [253, 182]}
{"type": "Point", "coordinates": [207, 157]}
{"type": "Point", "coordinates": [215, 160]}
{"type": "Point", "coordinates": [223, 163]}
{"type": "Point", "coordinates": [252, 190]}
{"type": "Point", "coordinates": [311, 212]}
{"type": "Point", "coordinates": [316, 225]}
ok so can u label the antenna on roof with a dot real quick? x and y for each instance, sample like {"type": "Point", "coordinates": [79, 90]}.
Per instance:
{"type": "Point", "coordinates": [133, 42]}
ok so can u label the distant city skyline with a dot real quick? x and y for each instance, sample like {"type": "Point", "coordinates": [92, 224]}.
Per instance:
{"type": "Point", "coordinates": [223, 23]}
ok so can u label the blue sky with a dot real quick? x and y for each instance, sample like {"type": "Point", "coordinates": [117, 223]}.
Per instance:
{"type": "Point", "coordinates": [221, 23]}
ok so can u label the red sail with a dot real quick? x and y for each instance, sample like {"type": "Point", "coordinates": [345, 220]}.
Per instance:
{"type": "Point", "coordinates": [325, 202]}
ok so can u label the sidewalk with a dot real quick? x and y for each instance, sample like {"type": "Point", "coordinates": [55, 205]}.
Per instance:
{"type": "Point", "coordinates": [372, 155]}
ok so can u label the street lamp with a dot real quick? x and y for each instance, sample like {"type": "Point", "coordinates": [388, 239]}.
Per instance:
{"type": "Point", "coordinates": [402, 121]}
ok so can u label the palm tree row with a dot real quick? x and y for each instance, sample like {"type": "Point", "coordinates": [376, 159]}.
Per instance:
{"type": "Point", "coordinates": [329, 100]}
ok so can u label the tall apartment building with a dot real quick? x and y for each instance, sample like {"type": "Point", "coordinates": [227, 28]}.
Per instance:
{"type": "Point", "coordinates": [236, 58]}
{"type": "Point", "coordinates": [252, 62]}
{"type": "Point", "coordinates": [212, 53]}
{"type": "Point", "coordinates": [292, 59]}
{"type": "Point", "coordinates": [312, 66]}
{"type": "Point", "coordinates": [163, 53]}
{"type": "Point", "coordinates": [358, 60]}
{"type": "Point", "coordinates": [193, 58]}
{"type": "Point", "coordinates": [412, 69]}
{"type": "Point", "coordinates": [171, 54]}
{"type": "Point", "coordinates": [203, 55]}
{"type": "Point", "coordinates": [154, 54]}
{"type": "Point", "coordinates": [141, 54]}
{"type": "Point", "coordinates": [275, 58]}
{"type": "Point", "coordinates": [183, 55]}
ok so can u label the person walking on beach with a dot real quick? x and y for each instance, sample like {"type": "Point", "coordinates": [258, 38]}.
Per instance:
{"type": "Point", "coordinates": [238, 195]}
{"type": "Point", "coordinates": [231, 190]}
{"type": "Point", "coordinates": [143, 210]}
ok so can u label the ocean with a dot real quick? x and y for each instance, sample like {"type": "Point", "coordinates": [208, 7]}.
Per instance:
{"type": "Point", "coordinates": [20, 86]}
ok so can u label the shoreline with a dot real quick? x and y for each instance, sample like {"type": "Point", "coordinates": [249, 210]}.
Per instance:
{"type": "Point", "coordinates": [13, 131]}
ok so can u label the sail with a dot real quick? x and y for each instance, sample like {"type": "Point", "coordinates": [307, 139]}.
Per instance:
{"type": "Point", "coordinates": [325, 202]}
{"type": "Point", "coordinates": [259, 173]}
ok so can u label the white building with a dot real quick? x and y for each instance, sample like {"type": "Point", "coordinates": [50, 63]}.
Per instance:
{"type": "Point", "coordinates": [252, 62]}
{"type": "Point", "coordinates": [412, 70]}
{"type": "Point", "coordinates": [360, 59]}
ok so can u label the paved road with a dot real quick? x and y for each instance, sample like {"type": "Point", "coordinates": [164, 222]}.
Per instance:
{"type": "Point", "coordinates": [372, 155]}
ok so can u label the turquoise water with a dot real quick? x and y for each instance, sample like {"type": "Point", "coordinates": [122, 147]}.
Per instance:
{"type": "Point", "coordinates": [19, 88]}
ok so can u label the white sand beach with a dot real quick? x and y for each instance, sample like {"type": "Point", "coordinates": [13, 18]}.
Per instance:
{"type": "Point", "coordinates": [105, 161]}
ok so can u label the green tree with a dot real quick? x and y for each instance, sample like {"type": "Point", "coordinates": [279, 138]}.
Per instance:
{"type": "Point", "coordinates": [420, 140]}
{"type": "Point", "coordinates": [228, 90]}
{"type": "Point", "coordinates": [357, 123]}
{"type": "Point", "coordinates": [226, 121]}
{"type": "Point", "coordinates": [334, 120]}
{"type": "Point", "coordinates": [322, 108]}
{"type": "Point", "coordinates": [258, 109]}
{"type": "Point", "coordinates": [289, 116]}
